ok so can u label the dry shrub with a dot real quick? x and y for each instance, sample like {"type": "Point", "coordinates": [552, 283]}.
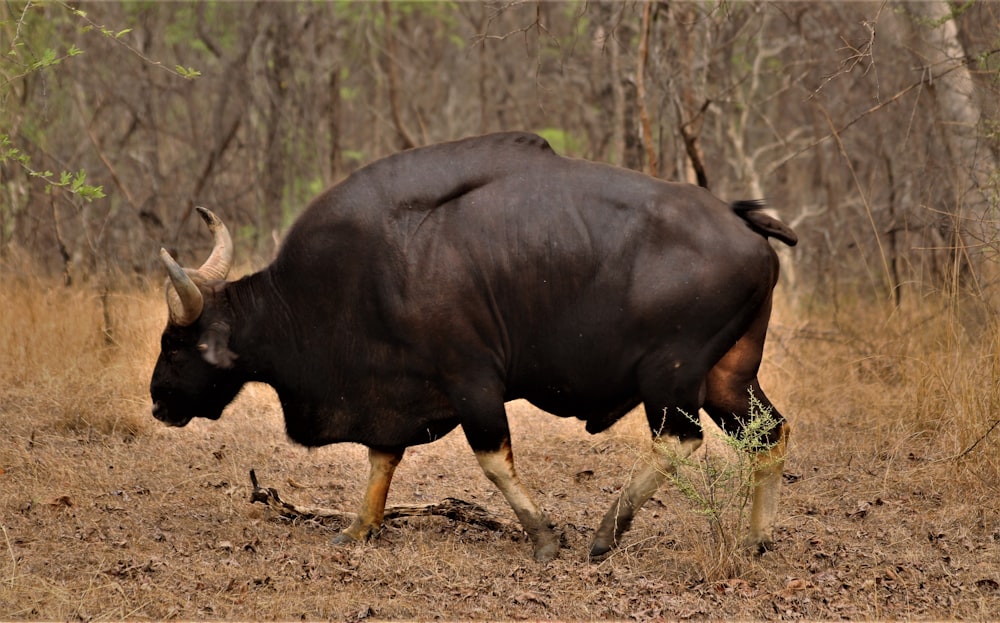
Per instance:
{"type": "Point", "coordinates": [911, 394]}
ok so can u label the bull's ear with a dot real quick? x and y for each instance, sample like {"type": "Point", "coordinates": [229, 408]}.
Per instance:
{"type": "Point", "coordinates": [214, 346]}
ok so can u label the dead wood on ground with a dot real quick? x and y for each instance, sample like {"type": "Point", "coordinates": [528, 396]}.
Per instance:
{"type": "Point", "coordinates": [452, 508]}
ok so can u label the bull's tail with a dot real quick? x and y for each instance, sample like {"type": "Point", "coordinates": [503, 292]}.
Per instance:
{"type": "Point", "coordinates": [764, 224]}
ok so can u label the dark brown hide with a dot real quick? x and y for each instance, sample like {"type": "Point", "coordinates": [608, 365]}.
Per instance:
{"type": "Point", "coordinates": [430, 287]}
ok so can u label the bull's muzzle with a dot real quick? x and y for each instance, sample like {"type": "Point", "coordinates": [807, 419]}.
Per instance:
{"type": "Point", "coordinates": [161, 413]}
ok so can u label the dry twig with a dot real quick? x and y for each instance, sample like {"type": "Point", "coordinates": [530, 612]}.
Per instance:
{"type": "Point", "coordinates": [452, 508]}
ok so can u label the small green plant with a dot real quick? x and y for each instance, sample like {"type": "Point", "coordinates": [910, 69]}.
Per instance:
{"type": "Point", "coordinates": [75, 183]}
{"type": "Point", "coordinates": [19, 61]}
{"type": "Point", "coordinates": [719, 484]}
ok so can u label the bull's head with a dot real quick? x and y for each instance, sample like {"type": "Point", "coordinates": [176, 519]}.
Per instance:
{"type": "Point", "coordinates": [194, 374]}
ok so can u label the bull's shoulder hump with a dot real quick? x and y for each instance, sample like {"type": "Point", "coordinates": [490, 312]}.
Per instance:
{"type": "Point", "coordinates": [521, 141]}
{"type": "Point", "coordinates": [485, 151]}
{"type": "Point", "coordinates": [496, 153]}
{"type": "Point", "coordinates": [425, 178]}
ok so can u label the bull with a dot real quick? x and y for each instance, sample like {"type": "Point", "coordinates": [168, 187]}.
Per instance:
{"type": "Point", "coordinates": [429, 288]}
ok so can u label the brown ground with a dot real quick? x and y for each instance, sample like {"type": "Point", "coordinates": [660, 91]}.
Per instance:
{"type": "Point", "coordinates": [130, 520]}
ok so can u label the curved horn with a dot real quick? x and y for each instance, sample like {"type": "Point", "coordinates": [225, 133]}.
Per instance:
{"type": "Point", "coordinates": [184, 299]}
{"type": "Point", "coordinates": [218, 264]}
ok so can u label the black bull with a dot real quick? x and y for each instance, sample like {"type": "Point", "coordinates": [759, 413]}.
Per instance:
{"type": "Point", "coordinates": [430, 287]}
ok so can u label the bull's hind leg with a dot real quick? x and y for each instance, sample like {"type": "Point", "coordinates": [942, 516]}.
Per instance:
{"type": "Point", "coordinates": [676, 434]}
{"type": "Point", "coordinates": [768, 461]}
{"type": "Point", "coordinates": [667, 451]}
{"type": "Point", "coordinates": [728, 401]}
{"type": "Point", "coordinates": [768, 468]}
{"type": "Point", "coordinates": [369, 519]}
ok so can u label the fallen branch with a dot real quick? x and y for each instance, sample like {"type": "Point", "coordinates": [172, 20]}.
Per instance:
{"type": "Point", "coordinates": [269, 497]}
{"type": "Point", "coordinates": [452, 508]}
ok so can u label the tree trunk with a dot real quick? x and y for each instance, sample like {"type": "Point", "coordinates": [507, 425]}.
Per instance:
{"type": "Point", "coordinates": [652, 160]}
{"type": "Point", "coordinates": [935, 34]}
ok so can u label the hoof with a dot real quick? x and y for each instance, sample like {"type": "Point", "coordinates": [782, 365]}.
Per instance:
{"type": "Point", "coordinates": [599, 550]}
{"type": "Point", "coordinates": [547, 551]}
{"type": "Point", "coordinates": [357, 532]}
{"type": "Point", "coordinates": [546, 543]}
{"type": "Point", "coordinates": [758, 546]}
{"type": "Point", "coordinates": [343, 538]}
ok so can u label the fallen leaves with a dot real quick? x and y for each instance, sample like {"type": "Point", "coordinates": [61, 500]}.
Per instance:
{"type": "Point", "coordinates": [173, 542]}
{"type": "Point", "coordinates": [793, 587]}
{"type": "Point", "coordinates": [63, 501]}
{"type": "Point", "coordinates": [863, 508]}
{"type": "Point", "coordinates": [528, 597]}
{"type": "Point", "coordinates": [130, 569]}
{"type": "Point", "coordinates": [988, 585]}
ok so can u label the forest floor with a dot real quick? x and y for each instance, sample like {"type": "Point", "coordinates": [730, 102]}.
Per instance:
{"type": "Point", "coordinates": [879, 517]}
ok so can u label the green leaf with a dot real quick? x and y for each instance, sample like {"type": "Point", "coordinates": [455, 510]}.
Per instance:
{"type": "Point", "coordinates": [48, 59]}
{"type": "Point", "coordinates": [187, 72]}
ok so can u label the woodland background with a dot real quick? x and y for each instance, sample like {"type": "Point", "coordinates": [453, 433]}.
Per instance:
{"type": "Point", "coordinates": [873, 128]}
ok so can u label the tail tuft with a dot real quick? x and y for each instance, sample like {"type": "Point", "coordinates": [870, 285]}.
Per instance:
{"type": "Point", "coordinates": [751, 211]}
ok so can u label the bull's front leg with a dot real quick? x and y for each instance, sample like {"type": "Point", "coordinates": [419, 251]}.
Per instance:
{"type": "Point", "coordinates": [368, 521]}
{"type": "Point", "coordinates": [667, 451]}
{"type": "Point", "coordinates": [498, 465]}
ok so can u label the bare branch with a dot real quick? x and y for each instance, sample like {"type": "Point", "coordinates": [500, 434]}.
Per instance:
{"type": "Point", "coordinates": [864, 198]}
{"type": "Point", "coordinates": [117, 38]}
{"type": "Point", "coordinates": [857, 54]}
{"type": "Point", "coordinates": [112, 171]}
{"type": "Point", "coordinates": [452, 508]}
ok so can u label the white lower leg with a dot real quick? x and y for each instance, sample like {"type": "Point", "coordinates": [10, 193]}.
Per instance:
{"type": "Point", "coordinates": [499, 468]}
{"type": "Point", "coordinates": [665, 455]}
{"type": "Point", "coordinates": [769, 466]}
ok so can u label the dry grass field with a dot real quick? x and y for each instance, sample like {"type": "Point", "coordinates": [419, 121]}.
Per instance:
{"type": "Point", "coordinates": [889, 507]}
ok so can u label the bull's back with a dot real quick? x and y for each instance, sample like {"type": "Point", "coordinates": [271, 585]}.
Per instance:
{"type": "Point", "coordinates": [565, 274]}
{"type": "Point", "coordinates": [560, 273]}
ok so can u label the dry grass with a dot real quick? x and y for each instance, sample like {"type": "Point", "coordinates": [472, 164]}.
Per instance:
{"type": "Point", "coordinates": [62, 370]}
{"type": "Point", "coordinates": [104, 514]}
